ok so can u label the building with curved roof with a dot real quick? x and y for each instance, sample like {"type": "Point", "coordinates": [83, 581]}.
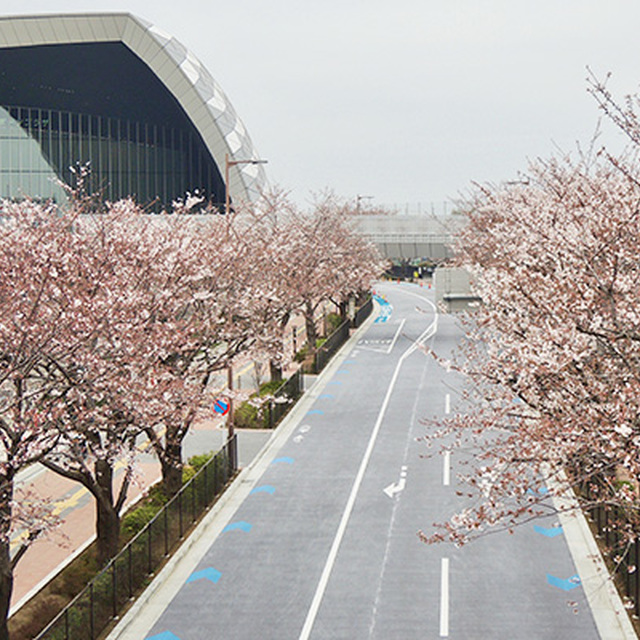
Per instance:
{"type": "Point", "coordinates": [120, 94]}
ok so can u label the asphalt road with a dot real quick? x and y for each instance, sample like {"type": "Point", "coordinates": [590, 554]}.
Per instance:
{"type": "Point", "coordinates": [325, 545]}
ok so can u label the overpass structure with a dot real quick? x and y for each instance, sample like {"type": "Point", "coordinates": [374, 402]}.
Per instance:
{"type": "Point", "coordinates": [411, 237]}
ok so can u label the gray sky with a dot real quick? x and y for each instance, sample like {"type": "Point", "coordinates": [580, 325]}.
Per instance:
{"type": "Point", "coordinates": [408, 101]}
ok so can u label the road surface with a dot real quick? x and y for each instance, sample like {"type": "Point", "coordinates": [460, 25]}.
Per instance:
{"type": "Point", "coordinates": [321, 540]}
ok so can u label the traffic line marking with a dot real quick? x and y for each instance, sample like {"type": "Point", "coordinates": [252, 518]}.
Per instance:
{"type": "Point", "coordinates": [444, 598]}
{"type": "Point", "coordinates": [551, 532]}
{"type": "Point", "coordinates": [565, 584]}
{"type": "Point", "coordinates": [237, 526]}
{"type": "Point", "coordinates": [265, 488]}
{"type": "Point", "coordinates": [211, 574]}
{"type": "Point", "coordinates": [165, 635]}
{"type": "Point", "coordinates": [446, 471]}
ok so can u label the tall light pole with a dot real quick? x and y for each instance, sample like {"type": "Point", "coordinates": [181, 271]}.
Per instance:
{"type": "Point", "coordinates": [227, 165]}
{"type": "Point", "coordinates": [227, 209]}
{"type": "Point", "coordinates": [359, 198]}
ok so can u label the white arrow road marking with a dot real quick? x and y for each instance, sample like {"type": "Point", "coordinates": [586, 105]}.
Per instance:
{"type": "Point", "coordinates": [397, 487]}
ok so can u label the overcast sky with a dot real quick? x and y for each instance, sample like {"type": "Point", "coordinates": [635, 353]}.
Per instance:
{"type": "Point", "coordinates": [408, 101]}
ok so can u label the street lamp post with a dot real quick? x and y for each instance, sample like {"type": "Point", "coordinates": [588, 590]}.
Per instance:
{"type": "Point", "coordinates": [227, 165]}
{"type": "Point", "coordinates": [233, 451]}
{"type": "Point", "coordinates": [359, 198]}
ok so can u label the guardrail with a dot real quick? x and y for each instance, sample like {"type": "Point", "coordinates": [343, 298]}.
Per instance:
{"type": "Point", "coordinates": [128, 573]}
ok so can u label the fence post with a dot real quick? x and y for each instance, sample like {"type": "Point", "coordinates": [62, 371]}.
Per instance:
{"type": "Point", "coordinates": [180, 512]}
{"type": "Point", "coordinates": [166, 533]}
{"type": "Point", "coordinates": [206, 483]}
{"type": "Point", "coordinates": [150, 563]}
{"type": "Point", "coordinates": [130, 571]}
{"type": "Point", "coordinates": [114, 583]}
{"type": "Point", "coordinates": [192, 484]}
{"type": "Point", "coordinates": [91, 622]}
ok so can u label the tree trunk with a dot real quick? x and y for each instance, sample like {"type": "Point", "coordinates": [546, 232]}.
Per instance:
{"type": "Point", "coordinates": [275, 371]}
{"type": "Point", "coordinates": [6, 565]}
{"type": "Point", "coordinates": [171, 463]}
{"type": "Point", "coordinates": [6, 588]}
{"type": "Point", "coordinates": [108, 518]}
{"type": "Point", "coordinates": [310, 323]}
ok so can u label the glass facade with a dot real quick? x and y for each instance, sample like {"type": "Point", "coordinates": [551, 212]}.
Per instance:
{"type": "Point", "coordinates": [24, 171]}
{"type": "Point", "coordinates": [152, 163]}
{"type": "Point", "coordinates": [66, 105]}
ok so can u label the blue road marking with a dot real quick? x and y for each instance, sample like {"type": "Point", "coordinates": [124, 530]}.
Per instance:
{"type": "Point", "coordinates": [326, 396]}
{"type": "Point", "coordinates": [342, 371]}
{"type": "Point", "coordinates": [165, 635]}
{"type": "Point", "coordinates": [316, 412]}
{"type": "Point", "coordinates": [385, 309]}
{"type": "Point", "coordinates": [284, 459]}
{"type": "Point", "coordinates": [564, 584]}
{"type": "Point", "coordinates": [552, 532]}
{"type": "Point", "coordinates": [210, 574]}
{"type": "Point", "coordinates": [334, 382]}
{"type": "Point", "coordinates": [265, 488]}
{"type": "Point", "coordinates": [237, 526]}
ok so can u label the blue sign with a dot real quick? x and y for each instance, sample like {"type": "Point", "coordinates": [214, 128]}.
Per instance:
{"type": "Point", "coordinates": [221, 407]}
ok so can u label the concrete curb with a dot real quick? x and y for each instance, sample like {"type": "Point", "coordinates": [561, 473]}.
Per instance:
{"type": "Point", "coordinates": [609, 613]}
{"type": "Point", "coordinates": [143, 614]}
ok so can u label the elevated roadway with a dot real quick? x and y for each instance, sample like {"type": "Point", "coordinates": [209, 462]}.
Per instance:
{"type": "Point", "coordinates": [409, 237]}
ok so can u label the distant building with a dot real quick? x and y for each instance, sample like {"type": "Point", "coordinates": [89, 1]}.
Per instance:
{"type": "Point", "coordinates": [120, 94]}
{"type": "Point", "coordinates": [454, 291]}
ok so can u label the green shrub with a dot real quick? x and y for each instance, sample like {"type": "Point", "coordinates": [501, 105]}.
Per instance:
{"type": "Point", "coordinates": [248, 416]}
{"type": "Point", "coordinates": [302, 354]}
{"type": "Point", "coordinates": [198, 461]}
{"type": "Point", "coordinates": [138, 519]}
{"type": "Point", "coordinates": [187, 473]}
{"type": "Point", "coordinates": [334, 320]}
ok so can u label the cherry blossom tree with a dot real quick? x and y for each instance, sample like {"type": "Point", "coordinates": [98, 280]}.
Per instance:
{"type": "Point", "coordinates": [38, 329]}
{"type": "Point", "coordinates": [110, 281]}
{"type": "Point", "coordinates": [322, 259]}
{"type": "Point", "coordinates": [552, 357]}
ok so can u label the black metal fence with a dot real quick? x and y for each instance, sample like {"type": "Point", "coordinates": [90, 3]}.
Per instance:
{"type": "Point", "coordinates": [126, 575]}
{"type": "Point", "coordinates": [289, 392]}
{"type": "Point", "coordinates": [340, 336]}
{"type": "Point", "coordinates": [362, 313]}
{"type": "Point", "coordinates": [330, 346]}
{"type": "Point", "coordinates": [610, 524]}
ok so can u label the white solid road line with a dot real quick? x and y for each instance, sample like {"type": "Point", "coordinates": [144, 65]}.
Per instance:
{"type": "Point", "coordinates": [333, 552]}
{"type": "Point", "coordinates": [444, 598]}
{"type": "Point", "coordinates": [446, 471]}
{"type": "Point", "coordinates": [393, 342]}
